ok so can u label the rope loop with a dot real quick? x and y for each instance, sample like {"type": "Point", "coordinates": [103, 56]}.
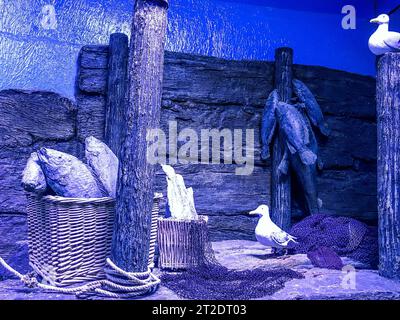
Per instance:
{"type": "Point", "coordinates": [118, 283]}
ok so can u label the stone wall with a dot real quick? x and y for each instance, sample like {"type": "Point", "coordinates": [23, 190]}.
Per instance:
{"type": "Point", "coordinates": [206, 93]}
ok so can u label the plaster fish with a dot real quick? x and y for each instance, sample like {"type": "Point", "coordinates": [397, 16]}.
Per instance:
{"type": "Point", "coordinates": [312, 107]}
{"type": "Point", "coordinates": [268, 124]}
{"type": "Point", "coordinates": [307, 174]}
{"type": "Point", "coordinates": [104, 164]}
{"type": "Point", "coordinates": [68, 176]}
{"type": "Point", "coordinates": [296, 132]}
{"type": "Point", "coordinates": [33, 179]}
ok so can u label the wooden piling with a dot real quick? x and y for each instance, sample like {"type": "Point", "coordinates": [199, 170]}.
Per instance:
{"type": "Point", "coordinates": [388, 117]}
{"type": "Point", "coordinates": [117, 91]}
{"type": "Point", "coordinates": [131, 238]}
{"type": "Point", "coordinates": [281, 184]}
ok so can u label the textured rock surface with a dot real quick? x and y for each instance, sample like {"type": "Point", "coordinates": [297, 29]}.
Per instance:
{"type": "Point", "coordinates": [27, 116]}
{"type": "Point", "coordinates": [13, 233]}
{"type": "Point", "coordinates": [28, 121]}
{"type": "Point", "coordinates": [207, 93]}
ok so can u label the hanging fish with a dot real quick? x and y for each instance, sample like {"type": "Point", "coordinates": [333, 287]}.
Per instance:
{"type": "Point", "coordinates": [312, 107]}
{"type": "Point", "coordinates": [268, 124]}
{"type": "Point", "coordinates": [33, 179]}
{"type": "Point", "coordinates": [296, 132]}
{"type": "Point", "coordinates": [307, 174]}
{"type": "Point", "coordinates": [68, 176]}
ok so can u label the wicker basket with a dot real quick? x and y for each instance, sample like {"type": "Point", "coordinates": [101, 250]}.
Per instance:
{"type": "Point", "coordinates": [70, 239]}
{"type": "Point", "coordinates": [178, 243]}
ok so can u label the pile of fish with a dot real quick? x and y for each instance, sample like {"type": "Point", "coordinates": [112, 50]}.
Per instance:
{"type": "Point", "coordinates": [65, 175]}
{"type": "Point", "coordinates": [180, 199]}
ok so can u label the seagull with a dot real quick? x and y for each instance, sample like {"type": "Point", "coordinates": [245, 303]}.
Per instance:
{"type": "Point", "coordinates": [383, 40]}
{"type": "Point", "coordinates": [268, 233]}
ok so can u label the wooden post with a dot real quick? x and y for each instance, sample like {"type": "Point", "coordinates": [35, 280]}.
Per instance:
{"type": "Point", "coordinates": [281, 185]}
{"type": "Point", "coordinates": [117, 90]}
{"type": "Point", "coordinates": [388, 114]}
{"type": "Point", "coordinates": [130, 247]}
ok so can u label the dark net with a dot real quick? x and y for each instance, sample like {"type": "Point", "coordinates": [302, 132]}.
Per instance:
{"type": "Point", "coordinates": [207, 279]}
{"type": "Point", "coordinates": [346, 236]}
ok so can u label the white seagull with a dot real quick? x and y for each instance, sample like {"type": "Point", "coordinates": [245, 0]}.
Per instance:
{"type": "Point", "coordinates": [383, 40]}
{"type": "Point", "coordinates": [268, 233]}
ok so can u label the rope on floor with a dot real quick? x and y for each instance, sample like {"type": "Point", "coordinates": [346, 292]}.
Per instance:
{"type": "Point", "coordinates": [118, 283]}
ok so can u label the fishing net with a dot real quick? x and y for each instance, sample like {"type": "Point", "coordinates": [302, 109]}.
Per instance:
{"type": "Point", "coordinates": [346, 236]}
{"type": "Point", "coordinates": [207, 279]}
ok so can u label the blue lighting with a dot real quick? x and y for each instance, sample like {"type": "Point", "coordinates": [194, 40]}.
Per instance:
{"type": "Point", "coordinates": [34, 57]}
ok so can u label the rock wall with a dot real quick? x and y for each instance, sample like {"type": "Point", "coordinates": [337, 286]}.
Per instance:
{"type": "Point", "coordinates": [205, 93]}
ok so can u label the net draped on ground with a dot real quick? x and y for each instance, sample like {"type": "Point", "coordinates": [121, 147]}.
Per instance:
{"type": "Point", "coordinates": [209, 280]}
{"type": "Point", "coordinates": [346, 236]}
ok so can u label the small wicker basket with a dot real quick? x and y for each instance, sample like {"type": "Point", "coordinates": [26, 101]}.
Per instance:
{"type": "Point", "coordinates": [70, 238]}
{"type": "Point", "coordinates": [179, 243]}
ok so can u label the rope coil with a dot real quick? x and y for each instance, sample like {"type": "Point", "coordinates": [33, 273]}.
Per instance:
{"type": "Point", "coordinates": [118, 283]}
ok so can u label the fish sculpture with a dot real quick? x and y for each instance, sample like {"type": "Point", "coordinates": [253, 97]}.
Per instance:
{"type": "Point", "coordinates": [312, 107]}
{"type": "Point", "coordinates": [307, 174]}
{"type": "Point", "coordinates": [104, 164]}
{"type": "Point", "coordinates": [295, 124]}
{"type": "Point", "coordinates": [268, 125]}
{"type": "Point", "coordinates": [68, 176]}
{"type": "Point", "coordinates": [295, 130]}
{"type": "Point", "coordinates": [33, 178]}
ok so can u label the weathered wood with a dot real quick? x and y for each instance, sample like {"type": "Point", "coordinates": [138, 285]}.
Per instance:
{"type": "Point", "coordinates": [94, 57]}
{"type": "Point", "coordinates": [281, 184]}
{"type": "Point", "coordinates": [130, 248]}
{"type": "Point", "coordinates": [93, 81]}
{"type": "Point", "coordinates": [117, 88]}
{"type": "Point", "coordinates": [388, 112]}
{"type": "Point", "coordinates": [90, 116]}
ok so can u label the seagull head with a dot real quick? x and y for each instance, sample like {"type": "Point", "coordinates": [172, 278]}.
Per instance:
{"type": "Point", "coordinates": [262, 210]}
{"type": "Point", "coordinates": [381, 19]}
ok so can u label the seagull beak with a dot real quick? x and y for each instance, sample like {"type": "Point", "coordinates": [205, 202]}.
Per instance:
{"type": "Point", "coordinates": [254, 212]}
{"type": "Point", "coordinates": [375, 20]}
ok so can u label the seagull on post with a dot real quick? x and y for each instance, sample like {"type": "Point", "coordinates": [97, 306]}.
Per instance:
{"type": "Point", "coordinates": [268, 233]}
{"type": "Point", "coordinates": [383, 40]}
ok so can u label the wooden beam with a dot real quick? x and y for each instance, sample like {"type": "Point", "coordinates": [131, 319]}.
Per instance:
{"type": "Point", "coordinates": [281, 184]}
{"type": "Point", "coordinates": [117, 90]}
{"type": "Point", "coordinates": [130, 248]}
{"type": "Point", "coordinates": [388, 114]}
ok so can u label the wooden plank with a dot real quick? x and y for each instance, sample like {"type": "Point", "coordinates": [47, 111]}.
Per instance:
{"type": "Point", "coordinates": [117, 88]}
{"type": "Point", "coordinates": [131, 239]}
{"type": "Point", "coordinates": [388, 112]}
{"type": "Point", "coordinates": [281, 184]}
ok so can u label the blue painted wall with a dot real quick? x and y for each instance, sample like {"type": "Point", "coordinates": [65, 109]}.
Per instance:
{"type": "Point", "coordinates": [33, 57]}
{"type": "Point", "coordinates": [384, 6]}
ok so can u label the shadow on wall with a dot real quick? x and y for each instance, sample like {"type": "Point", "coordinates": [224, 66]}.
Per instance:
{"type": "Point", "coordinates": [40, 42]}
